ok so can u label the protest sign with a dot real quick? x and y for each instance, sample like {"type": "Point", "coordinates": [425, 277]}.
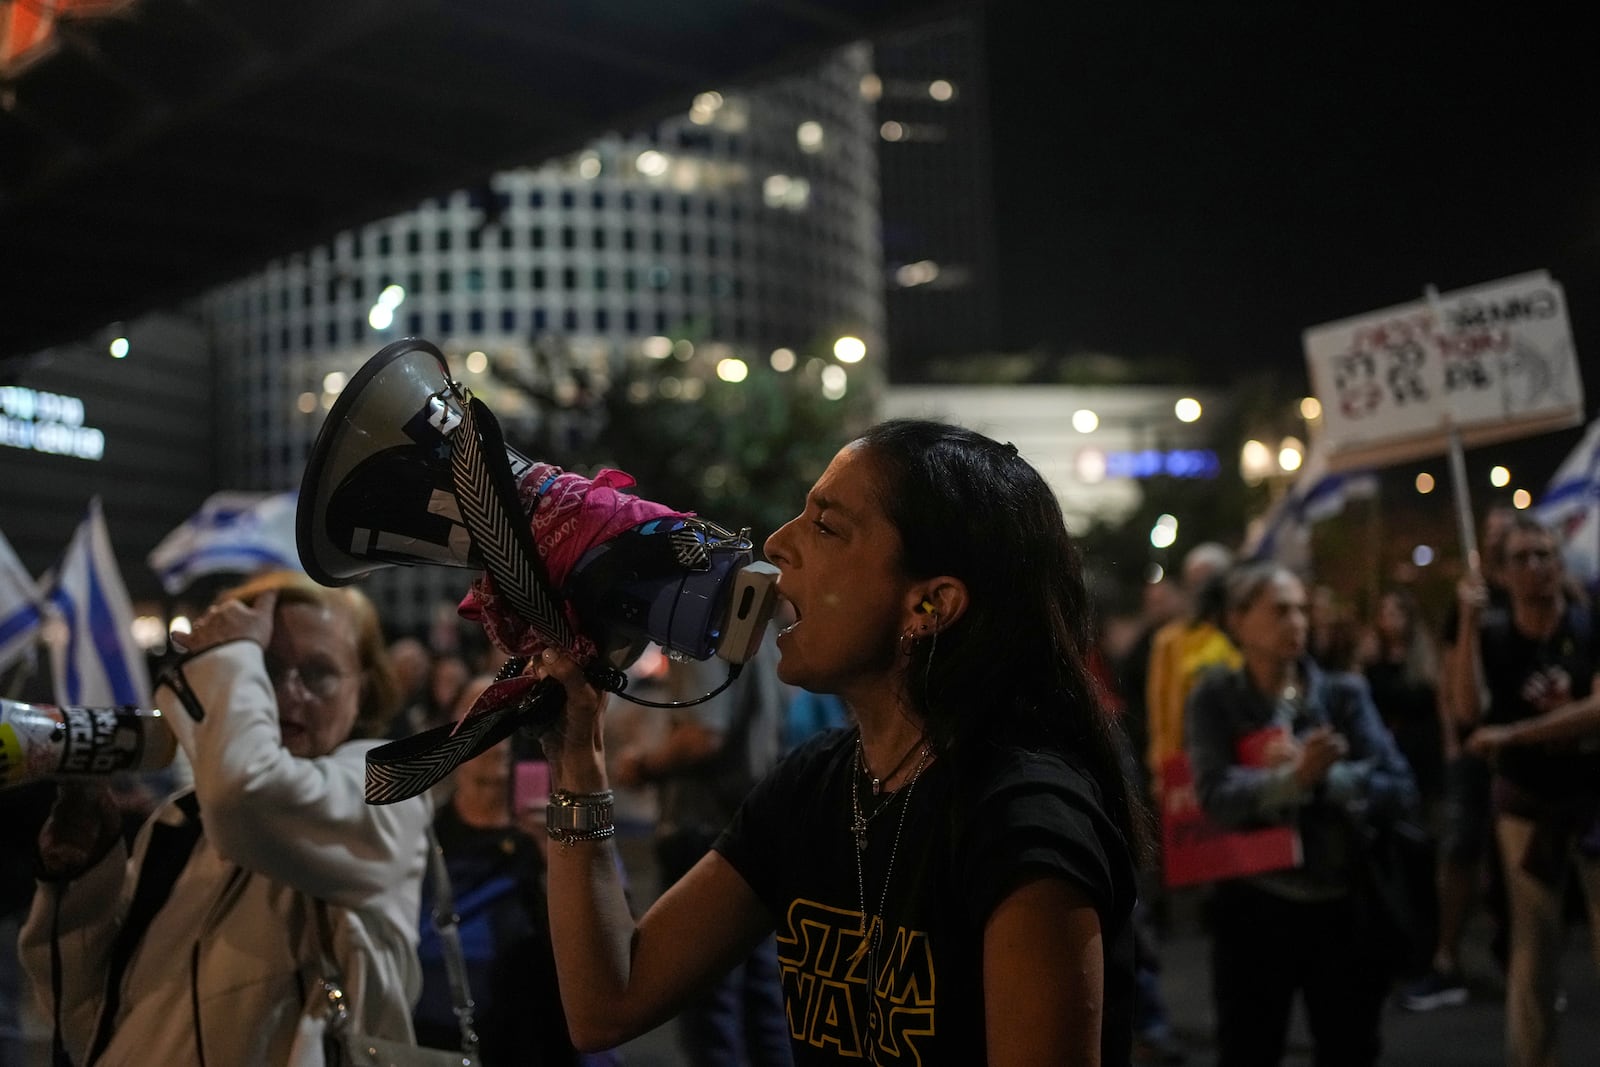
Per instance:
{"type": "Point", "coordinates": [1488, 363]}
{"type": "Point", "coordinates": [1195, 848]}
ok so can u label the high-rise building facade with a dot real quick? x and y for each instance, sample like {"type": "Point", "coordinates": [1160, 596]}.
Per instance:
{"type": "Point", "coordinates": [747, 226]}
{"type": "Point", "coordinates": [934, 158]}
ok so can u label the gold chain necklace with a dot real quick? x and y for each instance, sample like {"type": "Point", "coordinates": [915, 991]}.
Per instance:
{"type": "Point", "coordinates": [872, 931]}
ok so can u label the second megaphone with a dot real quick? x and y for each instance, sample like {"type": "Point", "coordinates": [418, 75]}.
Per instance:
{"type": "Point", "coordinates": [43, 741]}
{"type": "Point", "coordinates": [409, 469]}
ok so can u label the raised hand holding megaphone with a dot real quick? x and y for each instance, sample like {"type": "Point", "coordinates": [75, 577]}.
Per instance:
{"type": "Point", "coordinates": [409, 469]}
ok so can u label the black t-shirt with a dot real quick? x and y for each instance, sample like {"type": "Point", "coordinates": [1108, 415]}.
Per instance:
{"type": "Point", "coordinates": [1513, 665]}
{"type": "Point", "coordinates": [956, 853]}
{"type": "Point", "coordinates": [1410, 709]}
{"type": "Point", "coordinates": [1499, 601]}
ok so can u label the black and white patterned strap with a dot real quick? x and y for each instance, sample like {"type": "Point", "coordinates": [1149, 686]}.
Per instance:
{"type": "Point", "coordinates": [487, 497]}
{"type": "Point", "coordinates": [486, 494]}
{"type": "Point", "coordinates": [412, 765]}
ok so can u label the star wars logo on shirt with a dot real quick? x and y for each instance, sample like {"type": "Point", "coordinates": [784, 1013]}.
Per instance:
{"type": "Point", "coordinates": [822, 952]}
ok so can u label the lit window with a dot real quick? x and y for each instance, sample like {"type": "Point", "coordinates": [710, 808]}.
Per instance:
{"type": "Point", "coordinates": [651, 164]}
{"type": "Point", "coordinates": [919, 273]}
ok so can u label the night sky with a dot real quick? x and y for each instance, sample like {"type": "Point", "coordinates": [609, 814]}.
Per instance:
{"type": "Point", "coordinates": [1206, 180]}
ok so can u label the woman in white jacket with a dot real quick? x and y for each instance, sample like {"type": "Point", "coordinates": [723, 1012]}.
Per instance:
{"type": "Point", "coordinates": [204, 947]}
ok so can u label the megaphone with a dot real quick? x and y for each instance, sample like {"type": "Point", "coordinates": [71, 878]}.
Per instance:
{"type": "Point", "coordinates": [381, 489]}
{"type": "Point", "coordinates": [44, 741]}
{"type": "Point", "coordinates": [409, 469]}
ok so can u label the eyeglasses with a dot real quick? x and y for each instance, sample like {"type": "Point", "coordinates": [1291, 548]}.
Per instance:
{"type": "Point", "coordinates": [319, 681]}
{"type": "Point", "coordinates": [1531, 555]}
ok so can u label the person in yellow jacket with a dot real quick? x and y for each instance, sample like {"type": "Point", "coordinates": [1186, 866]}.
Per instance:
{"type": "Point", "coordinates": [1183, 648]}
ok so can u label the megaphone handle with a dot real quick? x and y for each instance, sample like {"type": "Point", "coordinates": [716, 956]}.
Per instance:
{"type": "Point", "coordinates": [542, 707]}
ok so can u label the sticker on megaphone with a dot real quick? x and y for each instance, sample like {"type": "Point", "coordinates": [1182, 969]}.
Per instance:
{"type": "Point", "coordinates": [44, 741]}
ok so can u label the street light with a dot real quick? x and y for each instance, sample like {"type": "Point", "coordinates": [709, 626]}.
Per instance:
{"type": "Point", "coordinates": [1291, 454]}
{"type": "Point", "coordinates": [1255, 462]}
{"type": "Point", "coordinates": [1164, 532]}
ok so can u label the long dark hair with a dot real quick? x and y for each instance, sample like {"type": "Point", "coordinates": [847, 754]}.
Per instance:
{"type": "Point", "coordinates": [1014, 668]}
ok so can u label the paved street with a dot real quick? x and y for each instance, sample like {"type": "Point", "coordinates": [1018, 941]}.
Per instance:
{"type": "Point", "coordinates": [1468, 1036]}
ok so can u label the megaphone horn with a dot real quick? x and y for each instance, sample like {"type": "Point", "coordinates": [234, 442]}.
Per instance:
{"type": "Point", "coordinates": [378, 490]}
{"type": "Point", "coordinates": [408, 468]}
{"type": "Point", "coordinates": [399, 475]}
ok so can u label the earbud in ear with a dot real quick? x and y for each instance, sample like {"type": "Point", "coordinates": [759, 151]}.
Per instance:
{"type": "Point", "coordinates": [927, 607]}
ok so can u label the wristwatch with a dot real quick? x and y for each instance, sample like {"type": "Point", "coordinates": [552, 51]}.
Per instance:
{"type": "Point", "coordinates": [580, 816]}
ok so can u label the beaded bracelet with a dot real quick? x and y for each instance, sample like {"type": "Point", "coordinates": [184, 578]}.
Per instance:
{"type": "Point", "coordinates": [572, 837]}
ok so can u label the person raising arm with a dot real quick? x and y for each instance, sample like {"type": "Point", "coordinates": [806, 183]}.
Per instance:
{"type": "Point", "coordinates": [951, 880]}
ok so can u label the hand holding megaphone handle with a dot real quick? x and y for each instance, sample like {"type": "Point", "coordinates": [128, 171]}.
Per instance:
{"type": "Point", "coordinates": [405, 768]}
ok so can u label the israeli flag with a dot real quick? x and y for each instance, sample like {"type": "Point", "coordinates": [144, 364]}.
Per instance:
{"type": "Point", "coordinates": [94, 659]}
{"type": "Point", "coordinates": [232, 532]}
{"type": "Point", "coordinates": [19, 607]}
{"type": "Point", "coordinates": [1571, 507]}
{"type": "Point", "coordinates": [1316, 495]}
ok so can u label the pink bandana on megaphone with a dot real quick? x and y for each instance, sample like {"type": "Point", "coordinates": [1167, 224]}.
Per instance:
{"type": "Point", "coordinates": [570, 515]}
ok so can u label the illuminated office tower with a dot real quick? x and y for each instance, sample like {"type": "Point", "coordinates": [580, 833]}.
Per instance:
{"type": "Point", "coordinates": [745, 225]}
{"type": "Point", "coordinates": [935, 161]}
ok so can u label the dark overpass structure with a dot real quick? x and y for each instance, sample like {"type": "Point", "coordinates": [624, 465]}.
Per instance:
{"type": "Point", "coordinates": [150, 149]}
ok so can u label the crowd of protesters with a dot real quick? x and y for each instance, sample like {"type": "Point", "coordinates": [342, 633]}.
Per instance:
{"type": "Point", "coordinates": [1433, 765]}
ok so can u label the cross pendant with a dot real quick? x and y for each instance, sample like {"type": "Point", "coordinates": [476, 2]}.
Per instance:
{"type": "Point", "coordinates": [859, 826]}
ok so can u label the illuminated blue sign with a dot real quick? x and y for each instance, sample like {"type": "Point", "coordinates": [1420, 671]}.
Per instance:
{"type": "Point", "coordinates": [1154, 462]}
